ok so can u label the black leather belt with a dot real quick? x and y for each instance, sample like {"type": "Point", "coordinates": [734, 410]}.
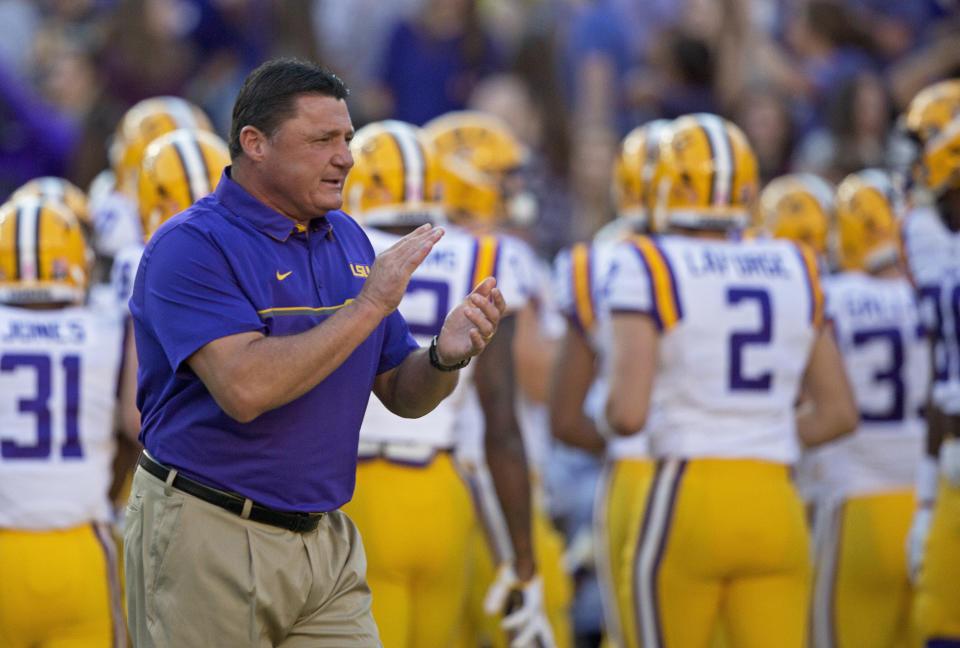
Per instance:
{"type": "Point", "coordinates": [292, 521]}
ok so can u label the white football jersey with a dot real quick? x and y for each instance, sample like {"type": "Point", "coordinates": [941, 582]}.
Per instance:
{"type": "Point", "coordinates": [580, 275]}
{"type": "Point", "coordinates": [513, 273]}
{"type": "Point", "coordinates": [737, 320]}
{"type": "Point", "coordinates": [933, 258]}
{"type": "Point", "coordinates": [116, 222]}
{"type": "Point", "coordinates": [123, 272]}
{"type": "Point", "coordinates": [457, 263]}
{"type": "Point", "coordinates": [878, 331]}
{"type": "Point", "coordinates": [58, 386]}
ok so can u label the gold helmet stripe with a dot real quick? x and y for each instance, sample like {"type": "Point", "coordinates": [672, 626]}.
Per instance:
{"type": "Point", "coordinates": [194, 165]}
{"type": "Point", "coordinates": [414, 165]}
{"type": "Point", "coordinates": [582, 294]}
{"type": "Point", "coordinates": [722, 152]}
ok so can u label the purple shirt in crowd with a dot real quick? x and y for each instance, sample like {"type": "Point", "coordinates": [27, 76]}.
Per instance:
{"type": "Point", "coordinates": [227, 265]}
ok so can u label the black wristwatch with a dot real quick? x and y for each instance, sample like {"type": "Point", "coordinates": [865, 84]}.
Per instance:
{"type": "Point", "coordinates": [435, 361]}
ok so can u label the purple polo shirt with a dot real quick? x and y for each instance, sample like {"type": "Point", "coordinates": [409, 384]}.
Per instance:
{"type": "Point", "coordinates": [227, 265]}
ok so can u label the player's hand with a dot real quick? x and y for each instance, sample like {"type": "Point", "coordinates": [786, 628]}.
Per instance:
{"type": "Point", "coordinates": [391, 270]}
{"type": "Point", "coordinates": [521, 603]}
{"type": "Point", "coordinates": [471, 325]}
{"type": "Point", "coordinates": [525, 620]}
{"type": "Point", "coordinates": [917, 541]}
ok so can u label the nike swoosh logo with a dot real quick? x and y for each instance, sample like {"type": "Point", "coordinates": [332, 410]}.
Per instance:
{"type": "Point", "coordinates": [281, 277]}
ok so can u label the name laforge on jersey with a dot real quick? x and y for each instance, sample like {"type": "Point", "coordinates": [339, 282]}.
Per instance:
{"type": "Point", "coordinates": [743, 264]}
{"type": "Point", "coordinates": [69, 332]}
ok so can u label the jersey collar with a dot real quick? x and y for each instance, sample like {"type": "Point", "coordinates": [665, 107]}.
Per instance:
{"type": "Point", "coordinates": [266, 219]}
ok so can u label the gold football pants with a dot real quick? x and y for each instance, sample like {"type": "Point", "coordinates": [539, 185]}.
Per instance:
{"type": "Point", "coordinates": [722, 542]}
{"type": "Point", "coordinates": [416, 524]}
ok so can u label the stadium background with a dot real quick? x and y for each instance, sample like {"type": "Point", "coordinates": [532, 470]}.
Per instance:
{"type": "Point", "coordinates": [815, 84]}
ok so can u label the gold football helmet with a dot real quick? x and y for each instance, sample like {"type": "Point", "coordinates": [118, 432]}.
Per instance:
{"type": "Point", "coordinates": [60, 190]}
{"type": "Point", "coordinates": [44, 258]}
{"type": "Point", "coordinates": [867, 206]}
{"type": "Point", "coordinates": [633, 170]}
{"type": "Point", "coordinates": [932, 108]}
{"type": "Point", "coordinates": [395, 179]}
{"type": "Point", "coordinates": [142, 124]}
{"type": "Point", "coordinates": [798, 207]}
{"type": "Point", "coordinates": [178, 169]}
{"type": "Point", "coordinates": [939, 167]}
{"type": "Point", "coordinates": [478, 154]}
{"type": "Point", "coordinates": [706, 176]}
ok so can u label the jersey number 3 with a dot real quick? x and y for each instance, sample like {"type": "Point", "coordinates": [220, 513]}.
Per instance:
{"type": "Point", "coordinates": [39, 406]}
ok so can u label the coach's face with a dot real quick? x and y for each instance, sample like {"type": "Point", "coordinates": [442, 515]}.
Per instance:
{"type": "Point", "coordinates": [306, 160]}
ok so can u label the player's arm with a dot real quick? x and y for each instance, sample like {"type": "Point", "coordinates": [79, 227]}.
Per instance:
{"type": "Point", "coordinates": [573, 374]}
{"type": "Point", "coordinates": [829, 409]}
{"type": "Point", "coordinates": [635, 354]}
{"type": "Point", "coordinates": [415, 386]}
{"type": "Point", "coordinates": [503, 443]}
{"type": "Point", "coordinates": [127, 413]}
{"type": "Point", "coordinates": [250, 373]}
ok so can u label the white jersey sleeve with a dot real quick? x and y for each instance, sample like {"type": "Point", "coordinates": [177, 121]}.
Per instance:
{"type": "Point", "coordinates": [58, 381]}
{"type": "Point", "coordinates": [927, 244]}
{"type": "Point", "coordinates": [737, 322]}
{"type": "Point", "coordinates": [628, 283]}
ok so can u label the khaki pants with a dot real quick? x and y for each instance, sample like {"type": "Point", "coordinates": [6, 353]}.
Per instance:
{"type": "Point", "coordinates": [199, 576]}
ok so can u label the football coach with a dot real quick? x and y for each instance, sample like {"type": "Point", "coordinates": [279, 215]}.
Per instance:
{"type": "Point", "coordinates": [262, 323]}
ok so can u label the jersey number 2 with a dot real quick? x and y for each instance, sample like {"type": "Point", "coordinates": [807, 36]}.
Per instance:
{"type": "Point", "coordinates": [740, 339]}
{"type": "Point", "coordinates": [39, 406]}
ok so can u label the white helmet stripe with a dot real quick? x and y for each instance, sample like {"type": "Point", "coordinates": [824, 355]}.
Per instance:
{"type": "Point", "coordinates": [51, 187]}
{"type": "Point", "coordinates": [194, 166]}
{"type": "Point", "coordinates": [722, 158]}
{"type": "Point", "coordinates": [181, 113]}
{"type": "Point", "coordinates": [413, 162]}
{"type": "Point", "coordinates": [28, 229]}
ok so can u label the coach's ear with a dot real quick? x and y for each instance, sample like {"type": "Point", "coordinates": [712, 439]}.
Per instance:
{"type": "Point", "coordinates": [253, 142]}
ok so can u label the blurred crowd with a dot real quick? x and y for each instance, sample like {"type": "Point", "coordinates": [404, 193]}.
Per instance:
{"type": "Point", "coordinates": [815, 84]}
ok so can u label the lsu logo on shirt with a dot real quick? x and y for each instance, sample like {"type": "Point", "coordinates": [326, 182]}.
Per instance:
{"type": "Point", "coordinates": [360, 270]}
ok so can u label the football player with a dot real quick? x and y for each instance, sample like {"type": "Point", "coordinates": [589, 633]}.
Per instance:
{"type": "Point", "coordinates": [483, 189]}
{"type": "Point", "coordinates": [419, 546]}
{"type": "Point", "coordinates": [862, 595]}
{"type": "Point", "coordinates": [932, 244]}
{"type": "Point", "coordinates": [177, 169]}
{"type": "Point", "coordinates": [579, 385]}
{"type": "Point", "coordinates": [59, 365]}
{"type": "Point", "coordinates": [114, 213]}
{"type": "Point", "coordinates": [716, 339]}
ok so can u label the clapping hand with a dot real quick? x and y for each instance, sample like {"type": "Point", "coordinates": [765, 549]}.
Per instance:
{"type": "Point", "coordinates": [470, 326]}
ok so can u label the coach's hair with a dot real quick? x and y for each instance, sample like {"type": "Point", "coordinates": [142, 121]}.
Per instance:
{"type": "Point", "coordinates": [269, 94]}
